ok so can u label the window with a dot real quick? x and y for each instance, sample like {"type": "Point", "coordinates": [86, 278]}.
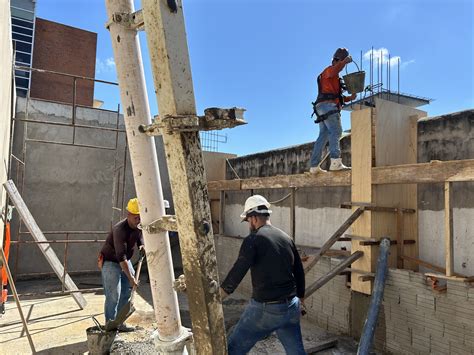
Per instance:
{"type": "Point", "coordinates": [22, 74]}
{"type": "Point", "coordinates": [21, 82]}
{"type": "Point", "coordinates": [22, 57]}
{"type": "Point", "coordinates": [26, 31]}
{"type": "Point", "coordinates": [22, 23]}
{"type": "Point", "coordinates": [22, 46]}
{"type": "Point", "coordinates": [20, 37]}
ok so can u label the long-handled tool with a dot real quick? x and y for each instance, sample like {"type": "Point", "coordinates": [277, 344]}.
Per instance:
{"type": "Point", "coordinates": [128, 309]}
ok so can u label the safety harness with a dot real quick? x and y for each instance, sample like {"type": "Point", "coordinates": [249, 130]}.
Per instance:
{"type": "Point", "coordinates": [326, 97]}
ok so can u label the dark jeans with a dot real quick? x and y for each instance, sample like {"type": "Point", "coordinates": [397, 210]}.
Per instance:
{"type": "Point", "coordinates": [259, 320]}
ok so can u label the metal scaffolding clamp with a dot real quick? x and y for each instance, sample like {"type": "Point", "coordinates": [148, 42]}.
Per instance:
{"type": "Point", "coordinates": [132, 21]}
{"type": "Point", "coordinates": [165, 223]}
{"type": "Point", "coordinates": [214, 119]}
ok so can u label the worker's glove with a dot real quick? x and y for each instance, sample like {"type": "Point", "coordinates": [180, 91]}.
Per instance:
{"type": "Point", "coordinates": [179, 284]}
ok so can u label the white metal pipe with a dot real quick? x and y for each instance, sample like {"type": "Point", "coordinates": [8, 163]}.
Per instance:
{"type": "Point", "coordinates": [144, 161]}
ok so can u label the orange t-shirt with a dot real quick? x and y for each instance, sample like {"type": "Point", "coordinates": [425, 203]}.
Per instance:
{"type": "Point", "coordinates": [330, 81]}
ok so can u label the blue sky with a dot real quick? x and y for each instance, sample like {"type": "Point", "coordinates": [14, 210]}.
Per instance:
{"type": "Point", "coordinates": [265, 55]}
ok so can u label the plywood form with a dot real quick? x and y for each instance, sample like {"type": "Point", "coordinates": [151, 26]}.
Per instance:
{"type": "Point", "coordinates": [396, 143]}
{"type": "Point", "coordinates": [361, 191]}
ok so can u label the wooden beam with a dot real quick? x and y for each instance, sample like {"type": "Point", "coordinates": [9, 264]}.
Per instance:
{"type": "Point", "coordinates": [337, 234]}
{"type": "Point", "coordinates": [224, 185]}
{"type": "Point", "coordinates": [448, 228]}
{"type": "Point", "coordinates": [432, 172]}
{"type": "Point", "coordinates": [422, 173]}
{"type": "Point", "coordinates": [293, 214]}
{"type": "Point", "coordinates": [452, 278]}
{"type": "Point", "coordinates": [428, 265]}
{"type": "Point", "coordinates": [372, 207]}
{"type": "Point", "coordinates": [331, 274]}
{"type": "Point", "coordinates": [221, 212]}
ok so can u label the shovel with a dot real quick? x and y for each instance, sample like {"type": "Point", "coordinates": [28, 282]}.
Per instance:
{"type": "Point", "coordinates": [128, 309]}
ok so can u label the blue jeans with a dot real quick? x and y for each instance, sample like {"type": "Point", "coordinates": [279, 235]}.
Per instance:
{"type": "Point", "coordinates": [259, 320]}
{"type": "Point", "coordinates": [116, 288]}
{"type": "Point", "coordinates": [329, 129]}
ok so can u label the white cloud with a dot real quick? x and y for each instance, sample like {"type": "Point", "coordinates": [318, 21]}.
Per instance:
{"type": "Point", "coordinates": [104, 66]}
{"type": "Point", "coordinates": [381, 55]}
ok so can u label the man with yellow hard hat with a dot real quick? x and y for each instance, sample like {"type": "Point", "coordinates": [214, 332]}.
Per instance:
{"type": "Point", "coordinates": [114, 262]}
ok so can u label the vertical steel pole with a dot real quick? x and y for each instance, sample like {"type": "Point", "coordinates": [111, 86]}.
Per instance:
{"type": "Point", "coordinates": [168, 49]}
{"type": "Point", "coordinates": [144, 162]}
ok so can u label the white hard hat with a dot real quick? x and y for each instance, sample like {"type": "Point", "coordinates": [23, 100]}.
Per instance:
{"type": "Point", "coordinates": [166, 203]}
{"type": "Point", "coordinates": [252, 205]}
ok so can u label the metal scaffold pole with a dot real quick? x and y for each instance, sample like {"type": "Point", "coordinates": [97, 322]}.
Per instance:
{"type": "Point", "coordinates": [144, 163]}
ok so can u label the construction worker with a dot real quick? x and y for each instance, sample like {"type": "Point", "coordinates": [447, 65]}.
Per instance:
{"type": "Point", "coordinates": [328, 112]}
{"type": "Point", "coordinates": [277, 281]}
{"type": "Point", "coordinates": [114, 262]}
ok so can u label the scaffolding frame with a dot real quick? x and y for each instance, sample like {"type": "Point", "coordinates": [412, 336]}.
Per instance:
{"type": "Point", "coordinates": [119, 179]}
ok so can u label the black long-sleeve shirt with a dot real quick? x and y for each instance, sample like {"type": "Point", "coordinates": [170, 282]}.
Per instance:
{"type": "Point", "coordinates": [275, 266]}
{"type": "Point", "coordinates": [120, 242]}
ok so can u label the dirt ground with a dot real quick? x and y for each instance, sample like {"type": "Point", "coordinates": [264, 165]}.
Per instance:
{"type": "Point", "coordinates": [58, 325]}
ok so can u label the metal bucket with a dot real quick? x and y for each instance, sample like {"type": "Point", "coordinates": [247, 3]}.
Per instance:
{"type": "Point", "coordinates": [355, 82]}
{"type": "Point", "coordinates": [99, 341]}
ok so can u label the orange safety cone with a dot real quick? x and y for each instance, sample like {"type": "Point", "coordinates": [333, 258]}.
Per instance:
{"type": "Point", "coordinates": [4, 293]}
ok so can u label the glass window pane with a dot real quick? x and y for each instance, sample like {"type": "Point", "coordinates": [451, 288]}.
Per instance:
{"type": "Point", "coordinates": [22, 14]}
{"type": "Point", "coordinates": [25, 31]}
{"type": "Point", "coordinates": [22, 73]}
{"type": "Point", "coordinates": [23, 47]}
{"type": "Point", "coordinates": [22, 57]}
{"type": "Point", "coordinates": [22, 23]}
{"type": "Point", "coordinates": [22, 83]}
{"type": "Point", "coordinates": [21, 92]}
{"type": "Point", "coordinates": [22, 37]}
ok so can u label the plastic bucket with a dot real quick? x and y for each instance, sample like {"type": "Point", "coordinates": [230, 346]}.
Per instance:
{"type": "Point", "coordinates": [355, 82]}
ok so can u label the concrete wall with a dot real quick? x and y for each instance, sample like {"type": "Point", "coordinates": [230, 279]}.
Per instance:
{"type": "Point", "coordinates": [74, 188]}
{"type": "Point", "coordinates": [6, 52]}
{"type": "Point", "coordinates": [447, 137]}
{"type": "Point", "coordinates": [71, 188]}
{"type": "Point", "coordinates": [63, 49]}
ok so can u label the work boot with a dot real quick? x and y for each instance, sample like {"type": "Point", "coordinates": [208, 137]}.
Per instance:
{"type": "Point", "coordinates": [336, 164]}
{"type": "Point", "coordinates": [316, 170]}
{"type": "Point", "coordinates": [123, 328]}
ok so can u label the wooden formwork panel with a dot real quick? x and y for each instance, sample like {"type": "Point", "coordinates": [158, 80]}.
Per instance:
{"type": "Point", "coordinates": [385, 135]}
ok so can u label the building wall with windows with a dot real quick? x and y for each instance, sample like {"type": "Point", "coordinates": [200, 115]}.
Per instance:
{"type": "Point", "coordinates": [23, 28]}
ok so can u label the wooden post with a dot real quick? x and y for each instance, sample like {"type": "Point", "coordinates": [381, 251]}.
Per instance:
{"type": "Point", "coordinates": [293, 214]}
{"type": "Point", "coordinates": [400, 238]}
{"type": "Point", "coordinates": [222, 212]}
{"type": "Point", "coordinates": [17, 300]}
{"type": "Point", "coordinates": [448, 228]}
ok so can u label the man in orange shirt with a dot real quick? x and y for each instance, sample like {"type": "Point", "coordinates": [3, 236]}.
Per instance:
{"type": "Point", "coordinates": [328, 112]}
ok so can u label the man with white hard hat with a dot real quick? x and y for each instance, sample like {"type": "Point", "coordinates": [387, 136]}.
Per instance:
{"type": "Point", "coordinates": [278, 283]}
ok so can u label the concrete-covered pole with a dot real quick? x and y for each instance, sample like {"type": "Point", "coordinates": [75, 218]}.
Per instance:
{"type": "Point", "coordinates": [144, 161]}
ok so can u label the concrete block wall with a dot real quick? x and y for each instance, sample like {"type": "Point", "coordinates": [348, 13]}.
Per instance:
{"type": "Point", "coordinates": [416, 320]}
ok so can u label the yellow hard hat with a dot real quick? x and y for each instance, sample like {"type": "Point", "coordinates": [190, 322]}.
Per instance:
{"type": "Point", "coordinates": [132, 206]}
